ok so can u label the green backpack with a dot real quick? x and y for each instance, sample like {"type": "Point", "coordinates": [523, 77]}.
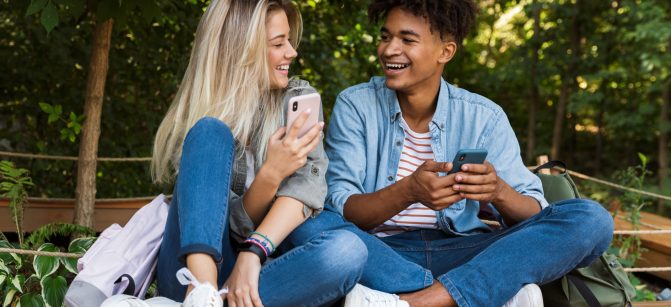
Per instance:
{"type": "Point", "coordinates": [604, 282]}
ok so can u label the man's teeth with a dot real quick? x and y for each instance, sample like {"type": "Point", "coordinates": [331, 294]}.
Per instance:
{"type": "Point", "coordinates": [396, 66]}
{"type": "Point", "coordinates": [283, 67]}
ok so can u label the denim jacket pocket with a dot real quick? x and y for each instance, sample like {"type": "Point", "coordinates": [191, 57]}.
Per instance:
{"type": "Point", "coordinates": [458, 206]}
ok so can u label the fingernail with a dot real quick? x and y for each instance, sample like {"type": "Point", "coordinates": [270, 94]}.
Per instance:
{"type": "Point", "coordinates": [308, 111]}
{"type": "Point", "coordinates": [464, 167]}
{"type": "Point", "coordinates": [458, 178]}
{"type": "Point", "coordinates": [321, 124]}
{"type": "Point", "coordinates": [455, 187]}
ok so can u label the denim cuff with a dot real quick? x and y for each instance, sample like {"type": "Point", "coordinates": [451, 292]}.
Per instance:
{"type": "Point", "coordinates": [452, 289]}
{"type": "Point", "coordinates": [199, 248]}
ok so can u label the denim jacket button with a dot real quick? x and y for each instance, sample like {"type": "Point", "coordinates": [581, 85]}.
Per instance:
{"type": "Point", "coordinates": [398, 143]}
{"type": "Point", "coordinates": [390, 178]}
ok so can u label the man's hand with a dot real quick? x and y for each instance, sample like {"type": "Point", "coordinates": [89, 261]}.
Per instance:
{"type": "Point", "coordinates": [432, 190]}
{"type": "Point", "coordinates": [478, 182]}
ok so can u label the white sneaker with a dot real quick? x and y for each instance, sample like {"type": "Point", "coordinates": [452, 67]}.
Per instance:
{"type": "Point", "coordinates": [122, 300]}
{"type": "Point", "coordinates": [529, 296]}
{"type": "Point", "coordinates": [203, 294]}
{"type": "Point", "coordinates": [361, 296]}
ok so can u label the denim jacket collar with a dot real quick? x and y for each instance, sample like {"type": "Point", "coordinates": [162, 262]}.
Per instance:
{"type": "Point", "coordinates": [441, 109]}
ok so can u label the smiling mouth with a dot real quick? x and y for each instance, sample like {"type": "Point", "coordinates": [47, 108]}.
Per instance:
{"type": "Point", "coordinates": [391, 66]}
{"type": "Point", "coordinates": [283, 67]}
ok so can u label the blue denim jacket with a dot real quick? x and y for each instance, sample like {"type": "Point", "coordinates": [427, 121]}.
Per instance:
{"type": "Point", "coordinates": [364, 141]}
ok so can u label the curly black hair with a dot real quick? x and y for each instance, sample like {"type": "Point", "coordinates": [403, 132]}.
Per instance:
{"type": "Point", "coordinates": [448, 17]}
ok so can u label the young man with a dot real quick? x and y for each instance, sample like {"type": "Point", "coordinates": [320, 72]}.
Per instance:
{"type": "Point", "coordinates": [388, 142]}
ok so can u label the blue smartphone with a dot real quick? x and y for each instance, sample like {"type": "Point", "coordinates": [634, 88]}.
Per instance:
{"type": "Point", "coordinates": [467, 156]}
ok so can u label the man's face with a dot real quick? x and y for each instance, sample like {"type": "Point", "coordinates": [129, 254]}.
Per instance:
{"type": "Point", "coordinates": [411, 56]}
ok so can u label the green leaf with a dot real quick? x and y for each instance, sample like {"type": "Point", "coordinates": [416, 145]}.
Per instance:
{"type": "Point", "coordinates": [18, 282]}
{"type": "Point", "coordinates": [10, 257]}
{"type": "Point", "coordinates": [47, 108]}
{"type": "Point", "coordinates": [58, 109]}
{"type": "Point", "coordinates": [49, 18]}
{"type": "Point", "coordinates": [9, 297]}
{"type": "Point", "coordinates": [35, 6]}
{"type": "Point", "coordinates": [79, 245]}
{"type": "Point", "coordinates": [32, 300]}
{"type": "Point", "coordinates": [73, 116]}
{"type": "Point", "coordinates": [46, 265]}
{"type": "Point", "coordinates": [3, 267]}
{"type": "Point", "coordinates": [643, 158]}
{"type": "Point", "coordinates": [53, 290]}
{"type": "Point", "coordinates": [52, 118]}
{"type": "Point", "coordinates": [3, 277]}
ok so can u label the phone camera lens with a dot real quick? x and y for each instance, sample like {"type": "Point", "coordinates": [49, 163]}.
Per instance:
{"type": "Point", "coordinates": [294, 107]}
{"type": "Point", "coordinates": [461, 158]}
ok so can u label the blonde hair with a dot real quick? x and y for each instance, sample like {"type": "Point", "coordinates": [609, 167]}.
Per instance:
{"type": "Point", "coordinates": [229, 55]}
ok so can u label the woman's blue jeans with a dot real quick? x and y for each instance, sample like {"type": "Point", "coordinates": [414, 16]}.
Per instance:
{"type": "Point", "coordinates": [484, 269]}
{"type": "Point", "coordinates": [318, 272]}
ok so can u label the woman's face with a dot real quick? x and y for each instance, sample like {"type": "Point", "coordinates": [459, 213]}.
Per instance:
{"type": "Point", "coordinates": [280, 51]}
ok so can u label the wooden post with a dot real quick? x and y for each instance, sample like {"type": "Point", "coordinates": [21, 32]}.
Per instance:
{"type": "Point", "coordinates": [85, 193]}
{"type": "Point", "coordinates": [542, 160]}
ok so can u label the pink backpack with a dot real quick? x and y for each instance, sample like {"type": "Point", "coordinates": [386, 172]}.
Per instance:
{"type": "Point", "coordinates": [122, 260]}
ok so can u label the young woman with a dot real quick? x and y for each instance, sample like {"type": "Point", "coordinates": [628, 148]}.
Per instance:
{"type": "Point", "coordinates": [244, 182]}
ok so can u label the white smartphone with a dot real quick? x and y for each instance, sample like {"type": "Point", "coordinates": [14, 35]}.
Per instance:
{"type": "Point", "coordinates": [297, 105]}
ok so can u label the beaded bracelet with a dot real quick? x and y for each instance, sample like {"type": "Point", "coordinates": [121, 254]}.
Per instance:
{"type": "Point", "coordinates": [264, 237]}
{"type": "Point", "coordinates": [264, 244]}
{"type": "Point", "coordinates": [254, 249]}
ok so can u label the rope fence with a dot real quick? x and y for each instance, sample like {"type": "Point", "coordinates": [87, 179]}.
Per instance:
{"type": "Point", "coordinates": [69, 158]}
{"type": "Point", "coordinates": [39, 253]}
{"type": "Point", "coordinates": [657, 230]}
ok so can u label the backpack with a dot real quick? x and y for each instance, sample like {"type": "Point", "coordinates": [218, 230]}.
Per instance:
{"type": "Point", "coordinates": [602, 283]}
{"type": "Point", "coordinates": [122, 260]}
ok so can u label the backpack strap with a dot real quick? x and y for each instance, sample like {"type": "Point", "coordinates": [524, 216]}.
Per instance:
{"type": "Point", "coordinates": [550, 164]}
{"type": "Point", "coordinates": [130, 290]}
{"type": "Point", "coordinates": [586, 293]}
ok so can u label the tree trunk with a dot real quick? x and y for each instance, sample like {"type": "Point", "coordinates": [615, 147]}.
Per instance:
{"type": "Point", "coordinates": [534, 99]}
{"type": "Point", "coordinates": [85, 192]}
{"type": "Point", "coordinates": [568, 82]}
{"type": "Point", "coordinates": [559, 118]}
{"type": "Point", "coordinates": [664, 146]}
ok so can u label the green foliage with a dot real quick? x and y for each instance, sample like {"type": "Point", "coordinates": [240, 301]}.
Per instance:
{"type": "Point", "coordinates": [37, 280]}
{"type": "Point", "coordinates": [642, 292]}
{"type": "Point", "coordinates": [73, 123]}
{"type": "Point", "coordinates": [13, 184]}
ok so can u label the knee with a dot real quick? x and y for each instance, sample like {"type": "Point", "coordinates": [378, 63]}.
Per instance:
{"type": "Point", "coordinates": [209, 131]}
{"type": "Point", "coordinates": [343, 253]}
{"type": "Point", "coordinates": [594, 224]}
{"type": "Point", "coordinates": [313, 227]}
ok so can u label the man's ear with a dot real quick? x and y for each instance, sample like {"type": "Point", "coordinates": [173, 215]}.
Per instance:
{"type": "Point", "coordinates": [447, 52]}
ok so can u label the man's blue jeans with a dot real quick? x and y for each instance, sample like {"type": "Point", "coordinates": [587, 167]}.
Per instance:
{"type": "Point", "coordinates": [484, 269]}
{"type": "Point", "coordinates": [321, 270]}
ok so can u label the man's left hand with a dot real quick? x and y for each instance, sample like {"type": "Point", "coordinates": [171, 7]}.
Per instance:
{"type": "Point", "coordinates": [478, 182]}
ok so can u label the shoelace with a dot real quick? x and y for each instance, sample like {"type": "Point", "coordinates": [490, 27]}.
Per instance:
{"type": "Point", "coordinates": [185, 277]}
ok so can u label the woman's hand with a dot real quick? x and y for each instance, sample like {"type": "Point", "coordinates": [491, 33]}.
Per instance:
{"type": "Point", "coordinates": [243, 284]}
{"type": "Point", "coordinates": [287, 152]}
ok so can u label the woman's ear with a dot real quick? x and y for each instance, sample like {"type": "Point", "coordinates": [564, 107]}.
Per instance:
{"type": "Point", "coordinates": [447, 52]}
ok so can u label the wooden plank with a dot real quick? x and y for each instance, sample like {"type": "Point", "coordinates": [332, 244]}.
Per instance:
{"type": "Point", "coordinates": [41, 212]}
{"type": "Point", "coordinates": [651, 304]}
{"type": "Point", "coordinates": [660, 243]}
{"type": "Point", "coordinates": [653, 258]}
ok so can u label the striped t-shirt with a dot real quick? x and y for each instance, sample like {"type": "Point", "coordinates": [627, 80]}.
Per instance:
{"type": "Point", "coordinates": [416, 150]}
